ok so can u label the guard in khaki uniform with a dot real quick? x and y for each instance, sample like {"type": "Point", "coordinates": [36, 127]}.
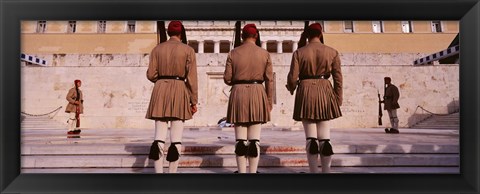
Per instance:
{"type": "Point", "coordinates": [74, 107]}
{"type": "Point", "coordinates": [390, 98]}
{"type": "Point", "coordinates": [316, 101]}
{"type": "Point", "coordinates": [250, 103]}
{"type": "Point", "coordinates": [173, 70]}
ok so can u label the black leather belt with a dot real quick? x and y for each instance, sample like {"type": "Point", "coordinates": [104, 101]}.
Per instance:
{"type": "Point", "coordinates": [247, 82]}
{"type": "Point", "coordinates": [171, 77]}
{"type": "Point", "coordinates": [315, 77]}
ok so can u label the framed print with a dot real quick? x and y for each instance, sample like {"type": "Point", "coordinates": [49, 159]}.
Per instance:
{"type": "Point", "coordinates": [52, 40]}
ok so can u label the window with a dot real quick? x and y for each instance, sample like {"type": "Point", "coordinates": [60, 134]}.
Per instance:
{"type": "Point", "coordinates": [130, 26]}
{"type": "Point", "coordinates": [72, 26]}
{"type": "Point", "coordinates": [41, 26]}
{"type": "Point", "coordinates": [102, 26]}
{"type": "Point", "coordinates": [407, 26]}
{"type": "Point", "coordinates": [436, 26]}
{"type": "Point", "coordinates": [348, 26]}
{"type": "Point", "coordinates": [377, 26]}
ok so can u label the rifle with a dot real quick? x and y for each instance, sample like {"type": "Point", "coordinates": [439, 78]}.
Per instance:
{"type": "Point", "coordinates": [184, 35]}
{"type": "Point", "coordinates": [77, 116]}
{"type": "Point", "coordinates": [237, 41]}
{"type": "Point", "coordinates": [303, 37]}
{"type": "Point", "coordinates": [380, 114]}
{"type": "Point", "coordinates": [161, 34]}
{"type": "Point", "coordinates": [77, 109]}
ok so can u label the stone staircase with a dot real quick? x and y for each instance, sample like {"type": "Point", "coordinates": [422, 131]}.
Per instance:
{"type": "Point", "coordinates": [450, 121]}
{"type": "Point", "coordinates": [210, 156]}
{"type": "Point", "coordinates": [122, 151]}
{"type": "Point", "coordinates": [41, 122]}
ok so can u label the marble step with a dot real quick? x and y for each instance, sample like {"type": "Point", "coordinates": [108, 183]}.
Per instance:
{"type": "Point", "coordinates": [223, 149]}
{"type": "Point", "coordinates": [229, 170]}
{"type": "Point", "coordinates": [269, 160]}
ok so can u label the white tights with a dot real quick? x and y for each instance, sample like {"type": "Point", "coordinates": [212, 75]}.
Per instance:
{"type": "Point", "coordinates": [248, 132]}
{"type": "Point", "coordinates": [176, 131]}
{"type": "Point", "coordinates": [319, 130]}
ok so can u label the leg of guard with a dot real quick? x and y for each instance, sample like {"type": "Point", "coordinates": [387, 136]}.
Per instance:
{"type": "Point", "coordinates": [241, 134]}
{"type": "Point", "coordinates": [390, 115]}
{"type": "Point", "coordinates": [326, 151]}
{"type": "Point", "coordinates": [253, 153]}
{"type": "Point", "coordinates": [71, 121]}
{"type": "Point", "coordinates": [310, 131]}
{"type": "Point", "coordinates": [326, 155]}
{"type": "Point", "coordinates": [312, 145]}
{"type": "Point", "coordinates": [160, 134]}
{"type": "Point", "coordinates": [176, 134]}
{"type": "Point", "coordinates": [395, 119]}
{"type": "Point", "coordinates": [241, 147]}
{"type": "Point", "coordinates": [173, 154]}
{"type": "Point", "coordinates": [156, 154]}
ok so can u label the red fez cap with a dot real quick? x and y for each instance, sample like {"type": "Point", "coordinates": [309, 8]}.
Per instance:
{"type": "Point", "coordinates": [77, 80]}
{"type": "Point", "coordinates": [250, 29]}
{"type": "Point", "coordinates": [315, 27]}
{"type": "Point", "coordinates": [175, 26]}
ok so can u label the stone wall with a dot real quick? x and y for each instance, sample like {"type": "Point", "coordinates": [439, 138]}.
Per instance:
{"type": "Point", "coordinates": [117, 92]}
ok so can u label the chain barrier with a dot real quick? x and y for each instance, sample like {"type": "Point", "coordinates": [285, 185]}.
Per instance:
{"type": "Point", "coordinates": [39, 115]}
{"type": "Point", "coordinates": [431, 114]}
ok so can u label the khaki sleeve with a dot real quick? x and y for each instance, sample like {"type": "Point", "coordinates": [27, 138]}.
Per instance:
{"type": "Point", "coordinates": [337, 78]}
{"type": "Point", "coordinates": [152, 71]}
{"type": "Point", "coordinates": [192, 78]}
{"type": "Point", "coordinates": [292, 78]}
{"type": "Point", "coordinates": [227, 74]}
{"type": "Point", "coordinates": [70, 95]}
{"type": "Point", "coordinates": [268, 77]}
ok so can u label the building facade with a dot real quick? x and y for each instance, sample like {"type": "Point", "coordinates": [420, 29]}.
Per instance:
{"type": "Point", "coordinates": [111, 57]}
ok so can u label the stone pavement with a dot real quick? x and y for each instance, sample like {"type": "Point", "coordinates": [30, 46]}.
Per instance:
{"type": "Point", "coordinates": [210, 150]}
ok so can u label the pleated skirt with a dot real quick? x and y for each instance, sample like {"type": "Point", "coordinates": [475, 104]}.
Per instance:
{"type": "Point", "coordinates": [170, 100]}
{"type": "Point", "coordinates": [316, 100]}
{"type": "Point", "coordinates": [248, 104]}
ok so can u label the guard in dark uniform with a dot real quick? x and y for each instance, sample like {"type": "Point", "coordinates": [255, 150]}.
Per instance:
{"type": "Point", "coordinates": [390, 99]}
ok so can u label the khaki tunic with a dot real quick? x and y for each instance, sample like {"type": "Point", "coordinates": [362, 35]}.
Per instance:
{"type": "Point", "coordinates": [249, 103]}
{"type": "Point", "coordinates": [316, 99]}
{"type": "Point", "coordinates": [171, 99]}
{"type": "Point", "coordinates": [71, 96]}
{"type": "Point", "coordinates": [391, 97]}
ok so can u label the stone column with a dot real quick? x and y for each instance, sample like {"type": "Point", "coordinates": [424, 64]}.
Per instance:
{"type": "Point", "coordinates": [216, 46]}
{"type": "Point", "coordinates": [264, 45]}
{"type": "Point", "coordinates": [295, 46]}
{"type": "Point", "coordinates": [279, 46]}
{"type": "Point", "coordinates": [200, 46]}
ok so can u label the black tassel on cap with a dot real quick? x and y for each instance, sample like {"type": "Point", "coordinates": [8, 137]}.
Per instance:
{"type": "Point", "coordinates": [326, 148]}
{"type": "Point", "coordinates": [238, 30]}
{"type": "Point", "coordinates": [155, 150]}
{"type": "Point", "coordinates": [240, 147]}
{"type": "Point", "coordinates": [173, 153]}
{"type": "Point", "coordinates": [184, 35]}
{"type": "Point", "coordinates": [252, 148]}
{"type": "Point", "coordinates": [258, 42]}
{"type": "Point", "coordinates": [313, 148]}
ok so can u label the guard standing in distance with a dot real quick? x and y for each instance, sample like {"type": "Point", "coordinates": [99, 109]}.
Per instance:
{"type": "Point", "coordinates": [74, 107]}
{"type": "Point", "coordinates": [390, 99]}
{"type": "Point", "coordinates": [316, 101]}
{"type": "Point", "coordinates": [173, 70]}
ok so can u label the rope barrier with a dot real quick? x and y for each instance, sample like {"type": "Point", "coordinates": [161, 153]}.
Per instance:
{"type": "Point", "coordinates": [39, 115]}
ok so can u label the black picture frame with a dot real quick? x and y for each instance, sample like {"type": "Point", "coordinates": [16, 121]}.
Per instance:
{"type": "Point", "coordinates": [12, 12]}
